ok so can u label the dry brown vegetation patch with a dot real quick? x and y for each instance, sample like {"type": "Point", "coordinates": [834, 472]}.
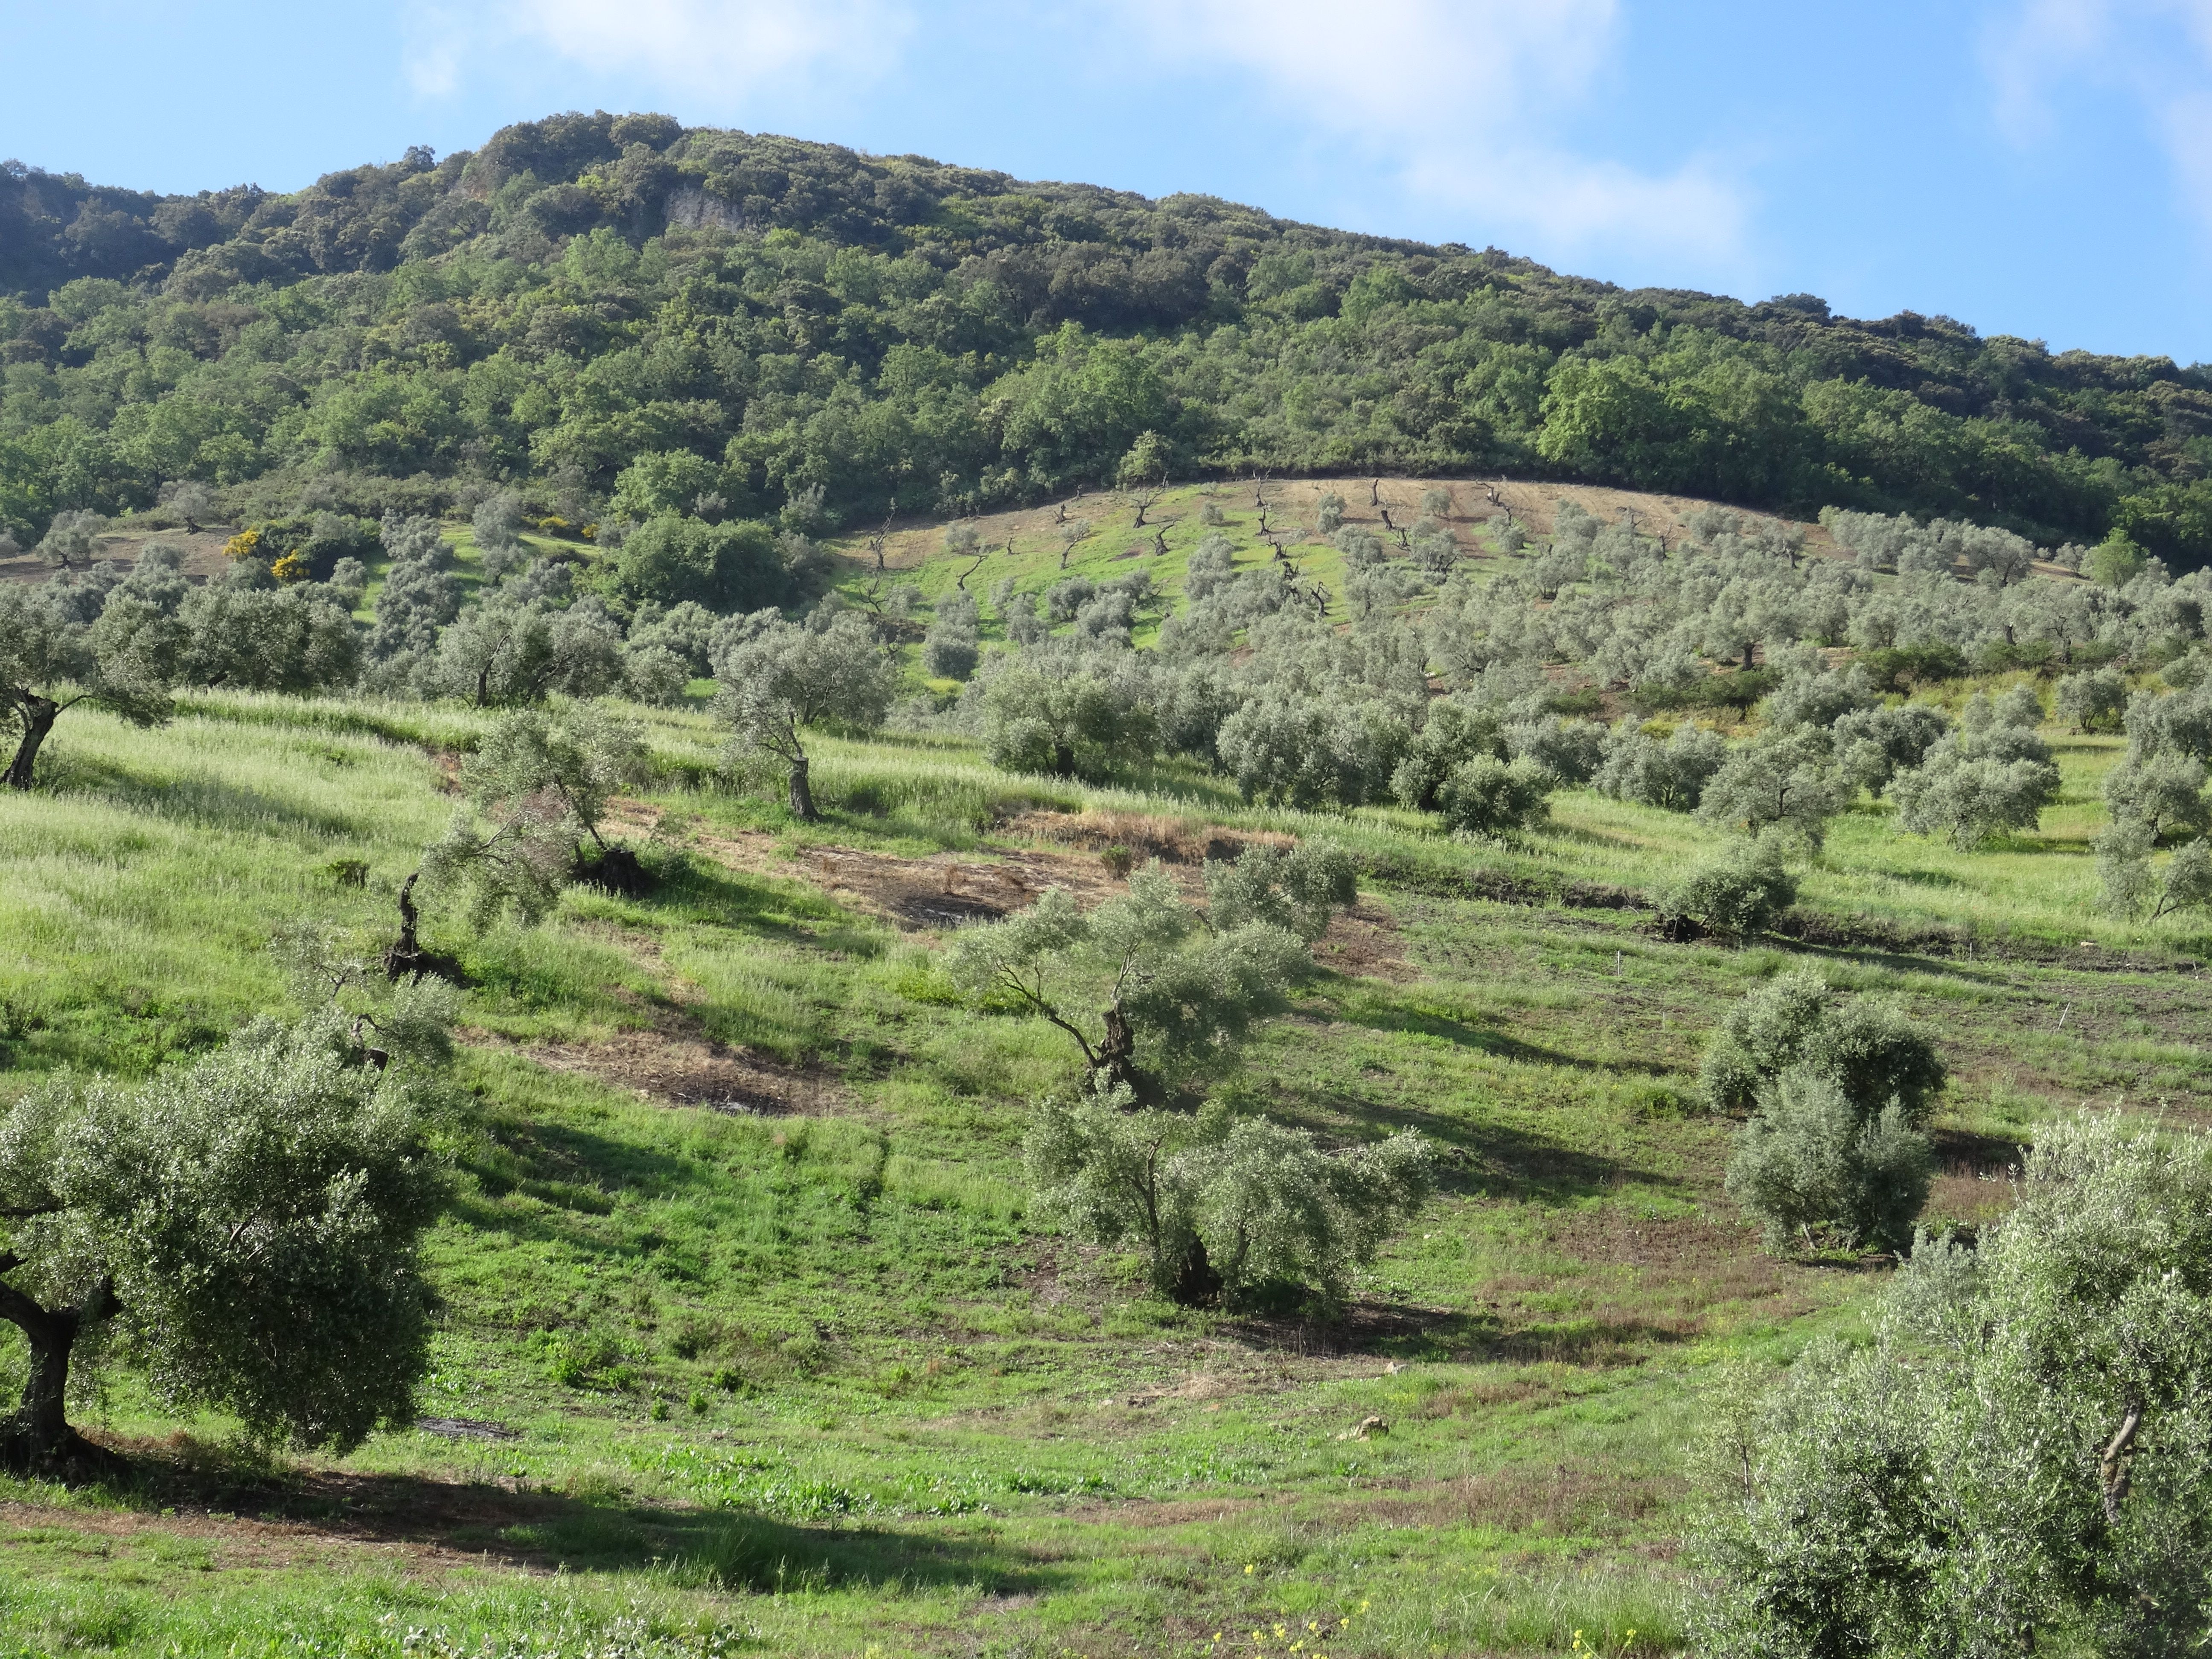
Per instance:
{"type": "Point", "coordinates": [1171, 840]}
{"type": "Point", "coordinates": [678, 1069]}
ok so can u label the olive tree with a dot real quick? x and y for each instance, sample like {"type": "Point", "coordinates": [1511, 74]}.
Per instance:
{"type": "Point", "coordinates": [1225, 1208]}
{"type": "Point", "coordinates": [245, 1225]}
{"type": "Point", "coordinates": [1737, 891]}
{"type": "Point", "coordinates": [1842, 1090]}
{"type": "Point", "coordinates": [256, 636]}
{"type": "Point", "coordinates": [498, 526]}
{"type": "Point", "coordinates": [2133, 888]}
{"type": "Point", "coordinates": [2019, 1462]}
{"type": "Point", "coordinates": [1867, 1044]}
{"type": "Point", "coordinates": [1151, 990]}
{"type": "Point", "coordinates": [1785, 781]}
{"type": "Point", "coordinates": [1994, 773]}
{"type": "Point", "coordinates": [523, 641]}
{"type": "Point", "coordinates": [72, 537]}
{"type": "Point", "coordinates": [1064, 716]}
{"type": "Point", "coordinates": [781, 677]}
{"type": "Point", "coordinates": [1485, 796]}
{"type": "Point", "coordinates": [1636, 766]}
{"type": "Point", "coordinates": [50, 661]}
{"type": "Point", "coordinates": [537, 785]}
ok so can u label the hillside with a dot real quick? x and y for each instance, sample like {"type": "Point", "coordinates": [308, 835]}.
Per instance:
{"type": "Point", "coordinates": [905, 335]}
{"type": "Point", "coordinates": [749, 1335]}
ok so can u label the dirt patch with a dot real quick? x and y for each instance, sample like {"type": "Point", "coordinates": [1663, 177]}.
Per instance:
{"type": "Point", "coordinates": [1180, 840]}
{"type": "Point", "coordinates": [1365, 940]}
{"type": "Point", "coordinates": [202, 551]}
{"type": "Point", "coordinates": [678, 1070]}
{"type": "Point", "coordinates": [944, 892]}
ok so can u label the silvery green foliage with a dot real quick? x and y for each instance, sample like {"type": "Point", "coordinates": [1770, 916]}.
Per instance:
{"type": "Point", "coordinates": [497, 525]}
{"type": "Point", "coordinates": [1175, 992]}
{"type": "Point", "coordinates": [540, 779]}
{"type": "Point", "coordinates": [73, 537]}
{"type": "Point", "coordinates": [1994, 773]}
{"type": "Point", "coordinates": [1222, 1205]}
{"type": "Point", "coordinates": [1813, 698]}
{"type": "Point", "coordinates": [1738, 891]}
{"type": "Point", "coordinates": [2095, 699]}
{"type": "Point", "coordinates": [1067, 713]}
{"type": "Point", "coordinates": [1309, 751]}
{"type": "Point", "coordinates": [1571, 750]}
{"type": "Point", "coordinates": [257, 1211]}
{"type": "Point", "coordinates": [1866, 1045]}
{"type": "Point", "coordinates": [1785, 781]}
{"type": "Point", "coordinates": [953, 645]}
{"type": "Point", "coordinates": [1297, 890]}
{"type": "Point", "coordinates": [1455, 730]}
{"type": "Point", "coordinates": [2021, 1461]}
{"type": "Point", "coordinates": [420, 596]}
{"type": "Point", "coordinates": [1873, 745]}
{"type": "Point", "coordinates": [1817, 1163]}
{"type": "Point", "coordinates": [2132, 888]}
{"type": "Point", "coordinates": [2165, 792]}
{"type": "Point", "coordinates": [1487, 797]}
{"type": "Point", "coordinates": [1636, 766]}
{"type": "Point", "coordinates": [776, 677]}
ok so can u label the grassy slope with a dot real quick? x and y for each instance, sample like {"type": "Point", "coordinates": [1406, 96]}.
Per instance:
{"type": "Point", "coordinates": [808, 1379]}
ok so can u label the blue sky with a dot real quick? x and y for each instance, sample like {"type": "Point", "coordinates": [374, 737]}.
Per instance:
{"type": "Point", "coordinates": [2038, 167]}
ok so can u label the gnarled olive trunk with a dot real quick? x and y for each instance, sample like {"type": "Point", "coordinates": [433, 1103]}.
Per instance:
{"type": "Point", "coordinates": [37, 1438]}
{"type": "Point", "coordinates": [39, 715]}
{"type": "Point", "coordinates": [1116, 1058]}
{"type": "Point", "coordinates": [802, 793]}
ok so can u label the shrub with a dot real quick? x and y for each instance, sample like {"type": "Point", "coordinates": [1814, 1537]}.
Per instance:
{"type": "Point", "coordinates": [1223, 1208]}
{"type": "Point", "coordinates": [1485, 796]}
{"type": "Point", "coordinates": [1738, 893]}
{"type": "Point", "coordinates": [1865, 1044]}
{"type": "Point", "coordinates": [1817, 1162]}
{"type": "Point", "coordinates": [2020, 1460]}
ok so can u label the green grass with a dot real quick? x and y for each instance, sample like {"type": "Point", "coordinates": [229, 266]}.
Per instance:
{"type": "Point", "coordinates": [811, 1381]}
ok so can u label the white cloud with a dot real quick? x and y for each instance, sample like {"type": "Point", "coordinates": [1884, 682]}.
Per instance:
{"type": "Point", "coordinates": [2156, 55]}
{"type": "Point", "coordinates": [1467, 100]}
{"type": "Point", "coordinates": [721, 53]}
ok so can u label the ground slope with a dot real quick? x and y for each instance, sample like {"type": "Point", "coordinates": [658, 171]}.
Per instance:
{"type": "Point", "coordinates": [748, 1339]}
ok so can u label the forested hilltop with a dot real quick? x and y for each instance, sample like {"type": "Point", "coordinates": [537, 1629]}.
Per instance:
{"type": "Point", "coordinates": [777, 318]}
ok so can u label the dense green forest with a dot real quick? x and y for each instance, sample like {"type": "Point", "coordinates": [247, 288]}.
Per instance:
{"type": "Point", "coordinates": [772, 318]}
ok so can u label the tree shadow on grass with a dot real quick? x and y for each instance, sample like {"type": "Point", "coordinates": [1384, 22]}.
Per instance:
{"type": "Point", "coordinates": [1397, 1020]}
{"type": "Point", "coordinates": [697, 890]}
{"type": "Point", "coordinates": [194, 798]}
{"type": "Point", "coordinates": [1400, 1332]}
{"type": "Point", "coordinates": [550, 1532]}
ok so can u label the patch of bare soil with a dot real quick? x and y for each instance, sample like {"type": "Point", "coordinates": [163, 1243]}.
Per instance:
{"type": "Point", "coordinates": [683, 1070]}
{"type": "Point", "coordinates": [1365, 940]}
{"type": "Point", "coordinates": [202, 551]}
{"type": "Point", "coordinates": [1142, 834]}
